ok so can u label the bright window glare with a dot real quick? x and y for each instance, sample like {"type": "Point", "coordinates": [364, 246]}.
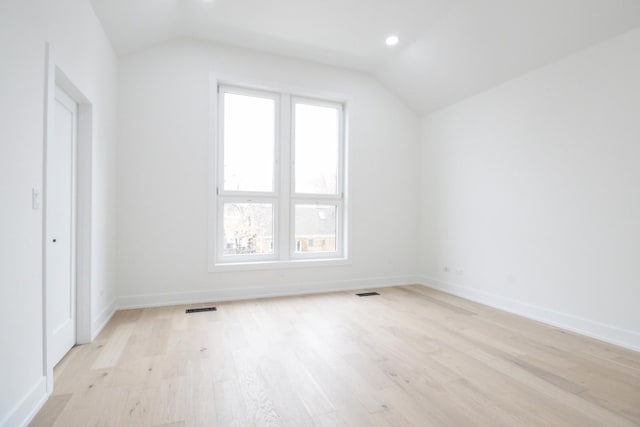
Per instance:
{"type": "Point", "coordinates": [249, 138]}
{"type": "Point", "coordinates": [316, 149]}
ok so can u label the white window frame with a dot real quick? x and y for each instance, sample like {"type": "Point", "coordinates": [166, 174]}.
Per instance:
{"type": "Point", "coordinates": [283, 197]}
{"type": "Point", "coordinates": [318, 199]}
{"type": "Point", "coordinates": [226, 196]}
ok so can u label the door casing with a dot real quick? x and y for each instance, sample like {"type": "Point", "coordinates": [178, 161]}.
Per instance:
{"type": "Point", "coordinates": [82, 271]}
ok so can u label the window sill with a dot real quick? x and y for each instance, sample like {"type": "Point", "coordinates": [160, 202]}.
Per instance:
{"type": "Point", "coordinates": [275, 265]}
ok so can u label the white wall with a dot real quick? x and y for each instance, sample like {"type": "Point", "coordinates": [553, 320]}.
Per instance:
{"type": "Point", "coordinates": [530, 193]}
{"type": "Point", "coordinates": [163, 172]}
{"type": "Point", "coordinates": [82, 51]}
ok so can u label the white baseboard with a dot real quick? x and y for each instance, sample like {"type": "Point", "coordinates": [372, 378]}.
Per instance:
{"type": "Point", "coordinates": [233, 294]}
{"type": "Point", "coordinates": [22, 414]}
{"type": "Point", "coordinates": [98, 323]}
{"type": "Point", "coordinates": [611, 334]}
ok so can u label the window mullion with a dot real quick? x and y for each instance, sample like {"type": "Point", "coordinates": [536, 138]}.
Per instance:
{"type": "Point", "coordinates": [285, 177]}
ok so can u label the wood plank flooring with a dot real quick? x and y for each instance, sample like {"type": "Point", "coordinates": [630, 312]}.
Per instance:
{"type": "Point", "coordinates": [411, 356]}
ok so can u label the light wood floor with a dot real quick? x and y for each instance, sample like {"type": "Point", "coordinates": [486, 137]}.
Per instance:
{"type": "Point", "coordinates": [411, 356]}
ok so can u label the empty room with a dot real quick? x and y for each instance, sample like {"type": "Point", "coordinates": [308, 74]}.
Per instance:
{"type": "Point", "coordinates": [336, 213]}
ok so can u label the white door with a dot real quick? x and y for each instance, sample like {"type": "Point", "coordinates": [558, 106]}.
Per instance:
{"type": "Point", "coordinates": [60, 220]}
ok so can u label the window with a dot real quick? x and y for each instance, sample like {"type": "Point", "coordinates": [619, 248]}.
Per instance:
{"type": "Point", "coordinates": [280, 178]}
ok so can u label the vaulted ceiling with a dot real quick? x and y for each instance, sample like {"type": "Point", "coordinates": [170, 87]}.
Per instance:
{"type": "Point", "coordinates": [448, 50]}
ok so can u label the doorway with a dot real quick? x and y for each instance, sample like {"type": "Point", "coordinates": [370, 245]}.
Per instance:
{"type": "Point", "coordinates": [67, 217]}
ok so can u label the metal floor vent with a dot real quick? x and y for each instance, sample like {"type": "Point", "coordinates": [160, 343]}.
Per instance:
{"type": "Point", "coordinates": [199, 310]}
{"type": "Point", "coordinates": [367, 294]}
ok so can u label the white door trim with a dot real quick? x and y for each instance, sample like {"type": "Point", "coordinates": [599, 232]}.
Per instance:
{"type": "Point", "coordinates": [81, 211]}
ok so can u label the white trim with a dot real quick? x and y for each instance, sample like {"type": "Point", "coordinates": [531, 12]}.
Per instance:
{"type": "Point", "coordinates": [285, 196]}
{"type": "Point", "coordinates": [276, 265]}
{"type": "Point", "coordinates": [49, 107]}
{"type": "Point", "coordinates": [346, 184]}
{"type": "Point", "coordinates": [338, 199]}
{"type": "Point", "coordinates": [212, 205]}
{"type": "Point", "coordinates": [221, 90]}
{"type": "Point", "coordinates": [600, 331]}
{"type": "Point", "coordinates": [24, 412]}
{"type": "Point", "coordinates": [55, 77]}
{"type": "Point", "coordinates": [282, 197]}
{"type": "Point", "coordinates": [234, 294]}
{"type": "Point", "coordinates": [334, 105]}
{"type": "Point", "coordinates": [102, 319]}
{"type": "Point", "coordinates": [223, 196]}
{"type": "Point", "coordinates": [83, 222]}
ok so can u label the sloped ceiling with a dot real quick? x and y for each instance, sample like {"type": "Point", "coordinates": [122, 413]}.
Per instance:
{"type": "Point", "coordinates": [448, 50]}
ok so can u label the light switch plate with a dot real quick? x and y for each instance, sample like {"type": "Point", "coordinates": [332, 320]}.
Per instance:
{"type": "Point", "coordinates": [36, 199]}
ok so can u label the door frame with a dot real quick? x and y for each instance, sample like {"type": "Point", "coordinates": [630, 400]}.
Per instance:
{"type": "Point", "coordinates": [81, 210]}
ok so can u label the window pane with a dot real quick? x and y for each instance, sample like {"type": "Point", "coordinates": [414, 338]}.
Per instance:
{"type": "Point", "coordinates": [249, 138]}
{"type": "Point", "coordinates": [315, 228]}
{"type": "Point", "coordinates": [317, 137]}
{"type": "Point", "coordinates": [248, 228]}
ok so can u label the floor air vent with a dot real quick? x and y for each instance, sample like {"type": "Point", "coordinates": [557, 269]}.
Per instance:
{"type": "Point", "coordinates": [200, 310]}
{"type": "Point", "coordinates": [367, 294]}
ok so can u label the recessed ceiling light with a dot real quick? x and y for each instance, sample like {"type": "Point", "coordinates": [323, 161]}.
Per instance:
{"type": "Point", "coordinates": [392, 40]}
